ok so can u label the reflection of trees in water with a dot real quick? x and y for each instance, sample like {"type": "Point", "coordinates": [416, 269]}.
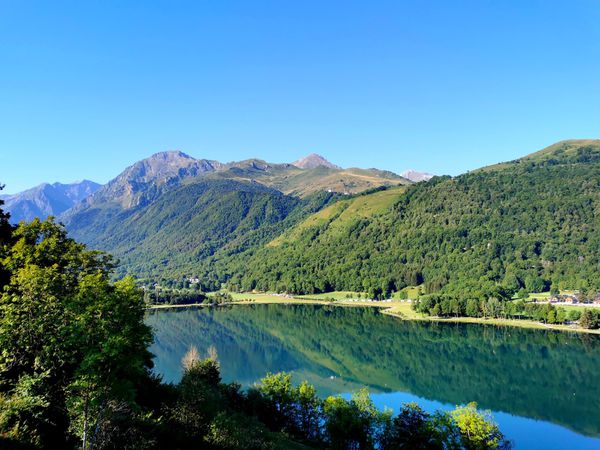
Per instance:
{"type": "Point", "coordinates": [539, 374]}
{"type": "Point", "coordinates": [245, 351]}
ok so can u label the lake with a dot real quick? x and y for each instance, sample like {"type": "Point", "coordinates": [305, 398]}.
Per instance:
{"type": "Point", "coordinates": [543, 387]}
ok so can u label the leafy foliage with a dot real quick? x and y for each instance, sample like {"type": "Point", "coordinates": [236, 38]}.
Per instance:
{"type": "Point", "coordinates": [71, 341]}
{"type": "Point", "coordinates": [222, 415]}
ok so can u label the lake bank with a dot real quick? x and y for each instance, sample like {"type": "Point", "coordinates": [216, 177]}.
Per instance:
{"type": "Point", "coordinates": [405, 312]}
{"type": "Point", "coordinates": [395, 308]}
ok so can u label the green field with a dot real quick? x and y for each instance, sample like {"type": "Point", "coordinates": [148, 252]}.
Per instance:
{"type": "Point", "coordinates": [267, 297]}
{"type": "Point", "coordinates": [338, 295]}
{"type": "Point", "coordinates": [411, 291]}
{"type": "Point", "coordinates": [543, 295]}
{"type": "Point", "coordinates": [338, 217]}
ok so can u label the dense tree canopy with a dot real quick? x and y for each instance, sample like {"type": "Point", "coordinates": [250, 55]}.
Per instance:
{"type": "Point", "coordinates": [530, 225]}
{"type": "Point", "coordinates": [73, 343]}
{"type": "Point", "coordinates": [168, 237]}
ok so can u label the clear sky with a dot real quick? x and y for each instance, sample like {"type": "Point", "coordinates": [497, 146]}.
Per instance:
{"type": "Point", "coordinates": [89, 87]}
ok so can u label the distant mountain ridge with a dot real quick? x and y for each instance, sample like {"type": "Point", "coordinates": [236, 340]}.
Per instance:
{"type": "Point", "coordinates": [145, 180]}
{"type": "Point", "coordinates": [416, 176]}
{"type": "Point", "coordinates": [47, 199]}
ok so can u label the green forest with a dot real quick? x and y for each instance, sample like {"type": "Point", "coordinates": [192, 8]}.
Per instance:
{"type": "Point", "coordinates": [168, 237]}
{"type": "Point", "coordinates": [75, 373]}
{"type": "Point", "coordinates": [530, 225]}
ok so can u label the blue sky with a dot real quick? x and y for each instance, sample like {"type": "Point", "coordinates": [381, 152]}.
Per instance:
{"type": "Point", "coordinates": [87, 88]}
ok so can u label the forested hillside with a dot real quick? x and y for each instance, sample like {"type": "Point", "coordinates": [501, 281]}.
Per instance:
{"type": "Point", "coordinates": [165, 216]}
{"type": "Point", "coordinates": [532, 223]}
{"type": "Point", "coordinates": [185, 225]}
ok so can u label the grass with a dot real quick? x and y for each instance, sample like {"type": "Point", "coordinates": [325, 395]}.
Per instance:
{"type": "Point", "coordinates": [338, 295]}
{"type": "Point", "coordinates": [314, 221]}
{"type": "Point", "coordinates": [255, 296]}
{"type": "Point", "coordinates": [538, 296]}
{"type": "Point", "coordinates": [342, 214]}
{"type": "Point", "coordinates": [405, 312]}
{"type": "Point", "coordinates": [411, 291]}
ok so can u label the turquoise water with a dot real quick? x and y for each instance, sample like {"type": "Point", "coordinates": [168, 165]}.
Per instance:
{"type": "Point", "coordinates": [541, 386]}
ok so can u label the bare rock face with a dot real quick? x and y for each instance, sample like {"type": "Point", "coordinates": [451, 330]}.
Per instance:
{"type": "Point", "coordinates": [140, 182]}
{"type": "Point", "coordinates": [416, 176]}
{"type": "Point", "coordinates": [313, 161]}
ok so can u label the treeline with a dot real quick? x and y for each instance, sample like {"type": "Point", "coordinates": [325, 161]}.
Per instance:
{"type": "Point", "coordinates": [445, 306]}
{"type": "Point", "coordinates": [75, 373]}
{"type": "Point", "coordinates": [162, 296]}
{"type": "Point", "coordinates": [525, 227]}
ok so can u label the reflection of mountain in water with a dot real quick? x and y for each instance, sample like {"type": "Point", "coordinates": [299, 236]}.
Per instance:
{"type": "Point", "coordinates": [537, 374]}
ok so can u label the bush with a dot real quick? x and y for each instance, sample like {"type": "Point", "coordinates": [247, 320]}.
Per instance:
{"type": "Point", "coordinates": [589, 319]}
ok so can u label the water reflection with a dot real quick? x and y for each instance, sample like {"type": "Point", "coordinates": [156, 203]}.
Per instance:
{"type": "Point", "coordinates": [541, 375]}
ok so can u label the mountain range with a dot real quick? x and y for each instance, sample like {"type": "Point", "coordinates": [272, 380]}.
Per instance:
{"type": "Point", "coordinates": [310, 226]}
{"type": "Point", "coordinates": [171, 210]}
{"type": "Point", "coordinates": [47, 199]}
{"type": "Point", "coordinates": [416, 176]}
{"type": "Point", "coordinates": [532, 224]}
{"type": "Point", "coordinates": [145, 180]}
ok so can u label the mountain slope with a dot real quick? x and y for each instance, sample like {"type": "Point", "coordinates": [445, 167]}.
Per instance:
{"type": "Point", "coordinates": [186, 224]}
{"type": "Point", "coordinates": [571, 151]}
{"type": "Point", "coordinates": [47, 199]}
{"type": "Point", "coordinates": [292, 180]}
{"type": "Point", "coordinates": [170, 214]}
{"type": "Point", "coordinates": [527, 224]}
{"type": "Point", "coordinates": [146, 180]}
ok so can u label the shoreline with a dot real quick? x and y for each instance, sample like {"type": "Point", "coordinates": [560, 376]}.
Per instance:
{"type": "Point", "coordinates": [398, 309]}
{"type": "Point", "coordinates": [517, 323]}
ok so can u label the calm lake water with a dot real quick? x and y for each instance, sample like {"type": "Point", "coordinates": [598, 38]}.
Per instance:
{"type": "Point", "coordinates": [543, 387]}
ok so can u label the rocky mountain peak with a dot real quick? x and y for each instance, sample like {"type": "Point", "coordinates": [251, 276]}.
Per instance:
{"type": "Point", "coordinates": [313, 161]}
{"type": "Point", "coordinates": [133, 185]}
{"type": "Point", "coordinates": [416, 176]}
